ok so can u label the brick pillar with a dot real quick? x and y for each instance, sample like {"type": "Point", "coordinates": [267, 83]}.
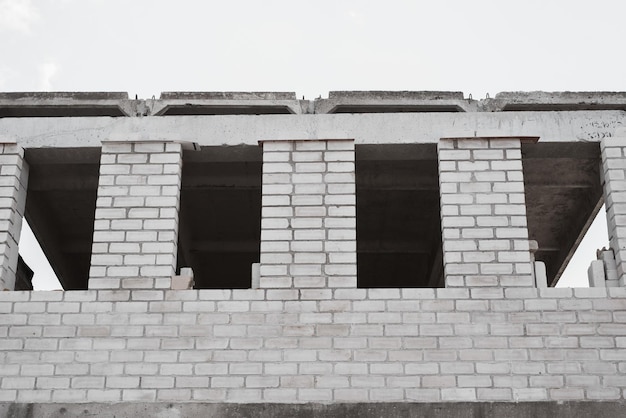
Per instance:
{"type": "Point", "coordinates": [614, 179]}
{"type": "Point", "coordinates": [483, 213]}
{"type": "Point", "coordinates": [136, 228]}
{"type": "Point", "coordinates": [308, 224]}
{"type": "Point", "coordinates": [13, 186]}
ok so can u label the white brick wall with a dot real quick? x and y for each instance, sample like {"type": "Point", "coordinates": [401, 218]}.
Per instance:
{"type": "Point", "coordinates": [614, 177]}
{"type": "Point", "coordinates": [136, 226]}
{"type": "Point", "coordinates": [483, 213]}
{"type": "Point", "coordinates": [285, 345]}
{"type": "Point", "coordinates": [13, 186]}
{"type": "Point", "coordinates": [308, 224]}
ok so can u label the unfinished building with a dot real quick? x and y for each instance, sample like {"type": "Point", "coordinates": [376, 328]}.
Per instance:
{"type": "Point", "coordinates": [372, 247]}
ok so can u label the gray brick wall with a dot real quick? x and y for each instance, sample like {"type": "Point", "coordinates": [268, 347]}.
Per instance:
{"type": "Point", "coordinates": [285, 345]}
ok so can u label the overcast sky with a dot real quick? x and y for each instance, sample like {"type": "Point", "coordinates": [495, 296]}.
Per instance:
{"type": "Point", "coordinates": [311, 47]}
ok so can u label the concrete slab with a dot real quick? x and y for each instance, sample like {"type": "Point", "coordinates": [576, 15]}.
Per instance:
{"type": "Point", "coordinates": [607, 409]}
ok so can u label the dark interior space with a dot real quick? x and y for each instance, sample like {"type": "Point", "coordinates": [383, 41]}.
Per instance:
{"type": "Point", "coordinates": [398, 216]}
{"type": "Point", "coordinates": [563, 196]}
{"type": "Point", "coordinates": [60, 208]}
{"type": "Point", "coordinates": [220, 215]}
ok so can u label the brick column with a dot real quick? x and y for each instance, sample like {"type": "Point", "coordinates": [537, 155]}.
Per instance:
{"type": "Point", "coordinates": [13, 186]}
{"type": "Point", "coordinates": [483, 213]}
{"type": "Point", "coordinates": [308, 224]}
{"type": "Point", "coordinates": [614, 179]}
{"type": "Point", "coordinates": [136, 228]}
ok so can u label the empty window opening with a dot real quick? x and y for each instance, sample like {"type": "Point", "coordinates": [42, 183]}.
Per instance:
{"type": "Point", "coordinates": [220, 215]}
{"type": "Point", "coordinates": [596, 238]}
{"type": "Point", "coordinates": [60, 210]}
{"type": "Point", "coordinates": [563, 197]}
{"type": "Point", "coordinates": [398, 216]}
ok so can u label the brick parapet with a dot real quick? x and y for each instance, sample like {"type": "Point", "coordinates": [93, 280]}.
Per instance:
{"type": "Point", "coordinates": [303, 345]}
{"type": "Point", "coordinates": [13, 187]}
{"type": "Point", "coordinates": [308, 224]}
{"type": "Point", "coordinates": [483, 213]}
{"type": "Point", "coordinates": [136, 219]}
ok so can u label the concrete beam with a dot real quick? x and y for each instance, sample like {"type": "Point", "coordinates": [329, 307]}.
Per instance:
{"type": "Point", "coordinates": [373, 128]}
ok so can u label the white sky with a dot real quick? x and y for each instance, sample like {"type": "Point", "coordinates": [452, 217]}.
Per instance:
{"type": "Point", "coordinates": [312, 47]}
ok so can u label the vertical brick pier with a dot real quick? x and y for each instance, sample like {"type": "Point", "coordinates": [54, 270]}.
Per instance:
{"type": "Point", "coordinates": [483, 213]}
{"type": "Point", "coordinates": [308, 224]}
{"type": "Point", "coordinates": [136, 227]}
{"type": "Point", "coordinates": [13, 186]}
{"type": "Point", "coordinates": [613, 151]}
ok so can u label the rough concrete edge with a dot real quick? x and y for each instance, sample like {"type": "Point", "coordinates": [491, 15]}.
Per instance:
{"type": "Point", "coordinates": [73, 95]}
{"type": "Point", "coordinates": [548, 96]}
{"type": "Point", "coordinates": [543, 409]}
{"type": "Point", "coordinates": [227, 95]}
{"type": "Point", "coordinates": [395, 95]}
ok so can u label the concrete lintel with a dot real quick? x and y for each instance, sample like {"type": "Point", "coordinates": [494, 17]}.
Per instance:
{"type": "Point", "coordinates": [143, 137]}
{"type": "Point", "coordinates": [261, 141]}
{"type": "Point", "coordinates": [6, 139]}
{"type": "Point", "coordinates": [526, 139]}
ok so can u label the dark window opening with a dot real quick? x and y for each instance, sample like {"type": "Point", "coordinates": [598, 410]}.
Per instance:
{"type": "Point", "coordinates": [60, 208]}
{"type": "Point", "coordinates": [220, 215]}
{"type": "Point", "coordinates": [563, 196]}
{"type": "Point", "coordinates": [398, 216]}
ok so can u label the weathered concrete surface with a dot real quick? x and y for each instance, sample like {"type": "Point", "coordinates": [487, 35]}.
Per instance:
{"type": "Point", "coordinates": [226, 103]}
{"type": "Point", "coordinates": [370, 128]}
{"type": "Point", "coordinates": [227, 95]}
{"type": "Point", "coordinates": [394, 102]}
{"type": "Point", "coordinates": [60, 95]}
{"type": "Point", "coordinates": [58, 104]}
{"type": "Point", "coordinates": [356, 410]}
{"type": "Point", "coordinates": [567, 100]}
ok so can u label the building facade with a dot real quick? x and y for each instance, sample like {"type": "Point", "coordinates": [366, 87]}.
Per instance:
{"type": "Point", "coordinates": [369, 247]}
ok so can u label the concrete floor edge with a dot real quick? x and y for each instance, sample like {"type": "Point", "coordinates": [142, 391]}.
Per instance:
{"type": "Point", "coordinates": [599, 409]}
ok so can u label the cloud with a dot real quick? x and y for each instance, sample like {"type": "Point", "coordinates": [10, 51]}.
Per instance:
{"type": "Point", "coordinates": [46, 72]}
{"type": "Point", "coordinates": [17, 15]}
